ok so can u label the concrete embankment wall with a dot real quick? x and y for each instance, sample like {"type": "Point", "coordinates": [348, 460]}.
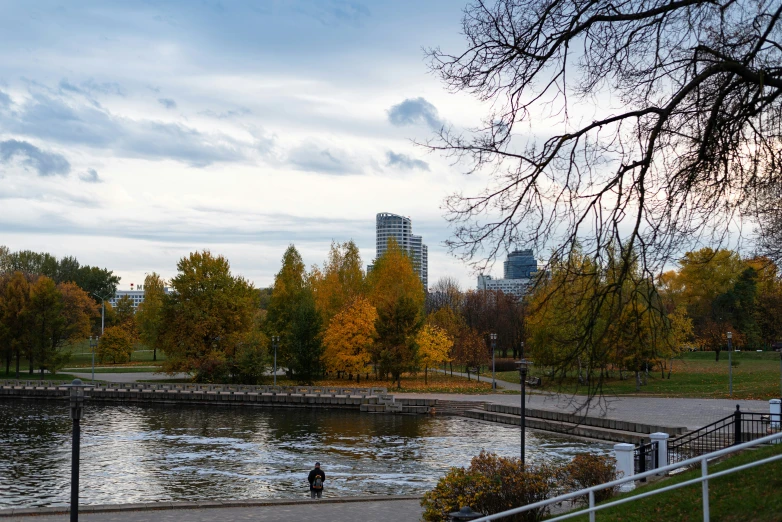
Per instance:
{"type": "Point", "coordinates": [371, 400]}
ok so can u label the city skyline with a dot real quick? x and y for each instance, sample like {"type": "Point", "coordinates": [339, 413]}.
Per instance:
{"type": "Point", "coordinates": [132, 135]}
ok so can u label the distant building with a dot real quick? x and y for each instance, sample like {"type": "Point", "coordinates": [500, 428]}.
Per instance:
{"type": "Point", "coordinates": [520, 267]}
{"type": "Point", "coordinates": [400, 228]}
{"type": "Point", "coordinates": [517, 287]}
{"type": "Point", "coordinates": [521, 264]}
{"type": "Point", "coordinates": [136, 295]}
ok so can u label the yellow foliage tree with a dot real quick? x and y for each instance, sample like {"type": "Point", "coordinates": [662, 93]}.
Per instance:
{"type": "Point", "coordinates": [341, 281]}
{"type": "Point", "coordinates": [434, 347]}
{"type": "Point", "coordinates": [349, 338]}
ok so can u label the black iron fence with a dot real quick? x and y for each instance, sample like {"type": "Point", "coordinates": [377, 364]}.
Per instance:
{"type": "Point", "coordinates": [734, 429]}
{"type": "Point", "coordinates": [645, 457]}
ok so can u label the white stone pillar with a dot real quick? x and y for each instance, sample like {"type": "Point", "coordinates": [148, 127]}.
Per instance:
{"type": "Point", "coordinates": [774, 406]}
{"type": "Point", "coordinates": [662, 448]}
{"type": "Point", "coordinates": [624, 464]}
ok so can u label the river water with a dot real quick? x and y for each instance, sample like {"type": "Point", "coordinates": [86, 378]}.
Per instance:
{"type": "Point", "coordinates": [175, 453]}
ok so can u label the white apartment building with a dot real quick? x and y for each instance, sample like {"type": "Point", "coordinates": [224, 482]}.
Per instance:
{"type": "Point", "coordinates": [400, 228]}
{"type": "Point", "coordinates": [517, 287]}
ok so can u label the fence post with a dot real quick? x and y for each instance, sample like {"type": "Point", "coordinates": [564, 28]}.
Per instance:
{"type": "Point", "coordinates": [662, 448]}
{"type": "Point", "coordinates": [705, 490]}
{"type": "Point", "coordinates": [624, 464]}
{"type": "Point", "coordinates": [737, 426]}
{"type": "Point", "coordinates": [775, 417]}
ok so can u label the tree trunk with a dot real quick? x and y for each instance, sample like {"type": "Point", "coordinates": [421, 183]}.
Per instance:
{"type": "Point", "coordinates": [670, 368]}
{"type": "Point", "coordinates": [17, 363]}
{"type": "Point", "coordinates": [426, 379]}
{"type": "Point", "coordinates": [154, 353]}
{"type": "Point", "coordinates": [637, 381]}
{"type": "Point", "coordinates": [718, 355]}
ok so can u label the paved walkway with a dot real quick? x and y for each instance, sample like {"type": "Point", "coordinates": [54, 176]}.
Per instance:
{"type": "Point", "coordinates": [322, 511]}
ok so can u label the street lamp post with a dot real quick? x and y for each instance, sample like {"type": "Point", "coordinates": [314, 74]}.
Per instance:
{"type": "Point", "coordinates": [93, 346]}
{"type": "Point", "coordinates": [730, 364]}
{"type": "Point", "coordinates": [102, 311]}
{"type": "Point", "coordinates": [77, 412]}
{"type": "Point", "coordinates": [275, 340]}
{"type": "Point", "coordinates": [523, 365]}
{"type": "Point", "coordinates": [493, 338]}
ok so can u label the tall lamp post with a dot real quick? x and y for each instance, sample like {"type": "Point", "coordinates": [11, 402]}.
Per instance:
{"type": "Point", "coordinates": [93, 346]}
{"type": "Point", "coordinates": [102, 310]}
{"type": "Point", "coordinates": [275, 340]}
{"type": "Point", "coordinates": [493, 337]}
{"type": "Point", "coordinates": [523, 365]}
{"type": "Point", "coordinates": [77, 412]}
{"type": "Point", "coordinates": [730, 364]}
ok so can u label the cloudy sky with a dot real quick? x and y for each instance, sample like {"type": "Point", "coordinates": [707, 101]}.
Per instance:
{"type": "Point", "coordinates": [132, 133]}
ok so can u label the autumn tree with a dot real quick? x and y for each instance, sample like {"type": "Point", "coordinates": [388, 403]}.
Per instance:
{"type": "Point", "coordinates": [115, 344]}
{"type": "Point", "coordinates": [349, 338]}
{"type": "Point", "coordinates": [434, 347]}
{"type": "Point", "coordinates": [125, 316]}
{"type": "Point", "coordinates": [149, 315]}
{"type": "Point", "coordinates": [340, 282]}
{"type": "Point", "coordinates": [398, 295]}
{"type": "Point", "coordinates": [15, 317]}
{"type": "Point", "coordinates": [207, 316]}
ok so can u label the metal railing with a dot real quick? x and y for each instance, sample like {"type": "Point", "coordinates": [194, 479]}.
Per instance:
{"type": "Point", "coordinates": [645, 457]}
{"type": "Point", "coordinates": [701, 460]}
{"type": "Point", "coordinates": [734, 429]}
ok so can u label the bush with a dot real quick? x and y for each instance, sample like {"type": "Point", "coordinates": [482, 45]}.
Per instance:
{"type": "Point", "coordinates": [491, 484]}
{"type": "Point", "coordinates": [587, 470]}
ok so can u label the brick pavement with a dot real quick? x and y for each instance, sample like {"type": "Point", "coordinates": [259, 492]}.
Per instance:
{"type": "Point", "coordinates": [323, 511]}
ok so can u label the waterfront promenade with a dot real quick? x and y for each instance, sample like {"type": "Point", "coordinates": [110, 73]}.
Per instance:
{"type": "Point", "coordinates": [326, 510]}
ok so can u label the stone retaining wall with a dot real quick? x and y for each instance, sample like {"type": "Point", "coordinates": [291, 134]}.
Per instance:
{"type": "Point", "coordinates": [599, 422]}
{"type": "Point", "coordinates": [363, 399]}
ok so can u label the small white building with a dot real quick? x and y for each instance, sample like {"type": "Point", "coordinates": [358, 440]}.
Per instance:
{"type": "Point", "coordinates": [136, 295]}
{"type": "Point", "coordinates": [517, 287]}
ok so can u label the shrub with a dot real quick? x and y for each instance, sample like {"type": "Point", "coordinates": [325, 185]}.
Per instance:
{"type": "Point", "coordinates": [587, 470]}
{"type": "Point", "coordinates": [491, 484]}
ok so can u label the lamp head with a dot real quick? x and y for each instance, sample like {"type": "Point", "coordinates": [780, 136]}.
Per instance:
{"type": "Point", "coordinates": [730, 335]}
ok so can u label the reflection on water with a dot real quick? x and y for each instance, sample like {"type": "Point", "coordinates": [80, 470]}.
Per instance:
{"type": "Point", "coordinates": [160, 453]}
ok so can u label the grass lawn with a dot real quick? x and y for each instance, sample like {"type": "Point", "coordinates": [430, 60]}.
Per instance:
{"type": "Point", "coordinates": [82, 356]}
{"type": "Point", "coordinates": [697, 374]}
{"type": "Point", "coordinates": [751, 495]}
{"type": "Point", "coordinates": [24, 376]}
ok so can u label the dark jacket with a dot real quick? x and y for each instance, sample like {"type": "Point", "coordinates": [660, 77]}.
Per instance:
{"type": "Point", "coordinates": [314, 473]}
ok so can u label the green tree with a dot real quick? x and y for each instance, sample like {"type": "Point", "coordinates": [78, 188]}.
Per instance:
{"type": "Point", "coordinates": [48, 326]}
{"type": "Point", "coordinates": [290, 307]}
{"type": "Point", "coordinates": [149, 315]}
{"type": "Point", "coordinates": [207, 316]}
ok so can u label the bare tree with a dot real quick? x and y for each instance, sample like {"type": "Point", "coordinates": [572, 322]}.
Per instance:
{"type": "Point", "coordinates": [660, 122]}
{"type": "Point", "coordinates": [642, 127]}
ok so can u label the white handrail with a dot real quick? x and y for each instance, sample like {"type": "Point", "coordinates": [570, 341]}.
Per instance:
{"type": "Point", "coordinates": [702, 460]}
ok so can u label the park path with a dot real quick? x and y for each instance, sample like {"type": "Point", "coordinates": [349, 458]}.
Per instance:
{"type": "Point", "coordinates": [320, 510]}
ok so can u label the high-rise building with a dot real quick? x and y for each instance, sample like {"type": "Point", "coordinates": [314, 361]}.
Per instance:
{"type": "Point", "coordinates": [400, 228]}
{"type": "Point", "coordinates": [521, 264]}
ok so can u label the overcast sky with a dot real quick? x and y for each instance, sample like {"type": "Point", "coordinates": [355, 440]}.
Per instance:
{"type": "Point", "coordinates": [133, 133]}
